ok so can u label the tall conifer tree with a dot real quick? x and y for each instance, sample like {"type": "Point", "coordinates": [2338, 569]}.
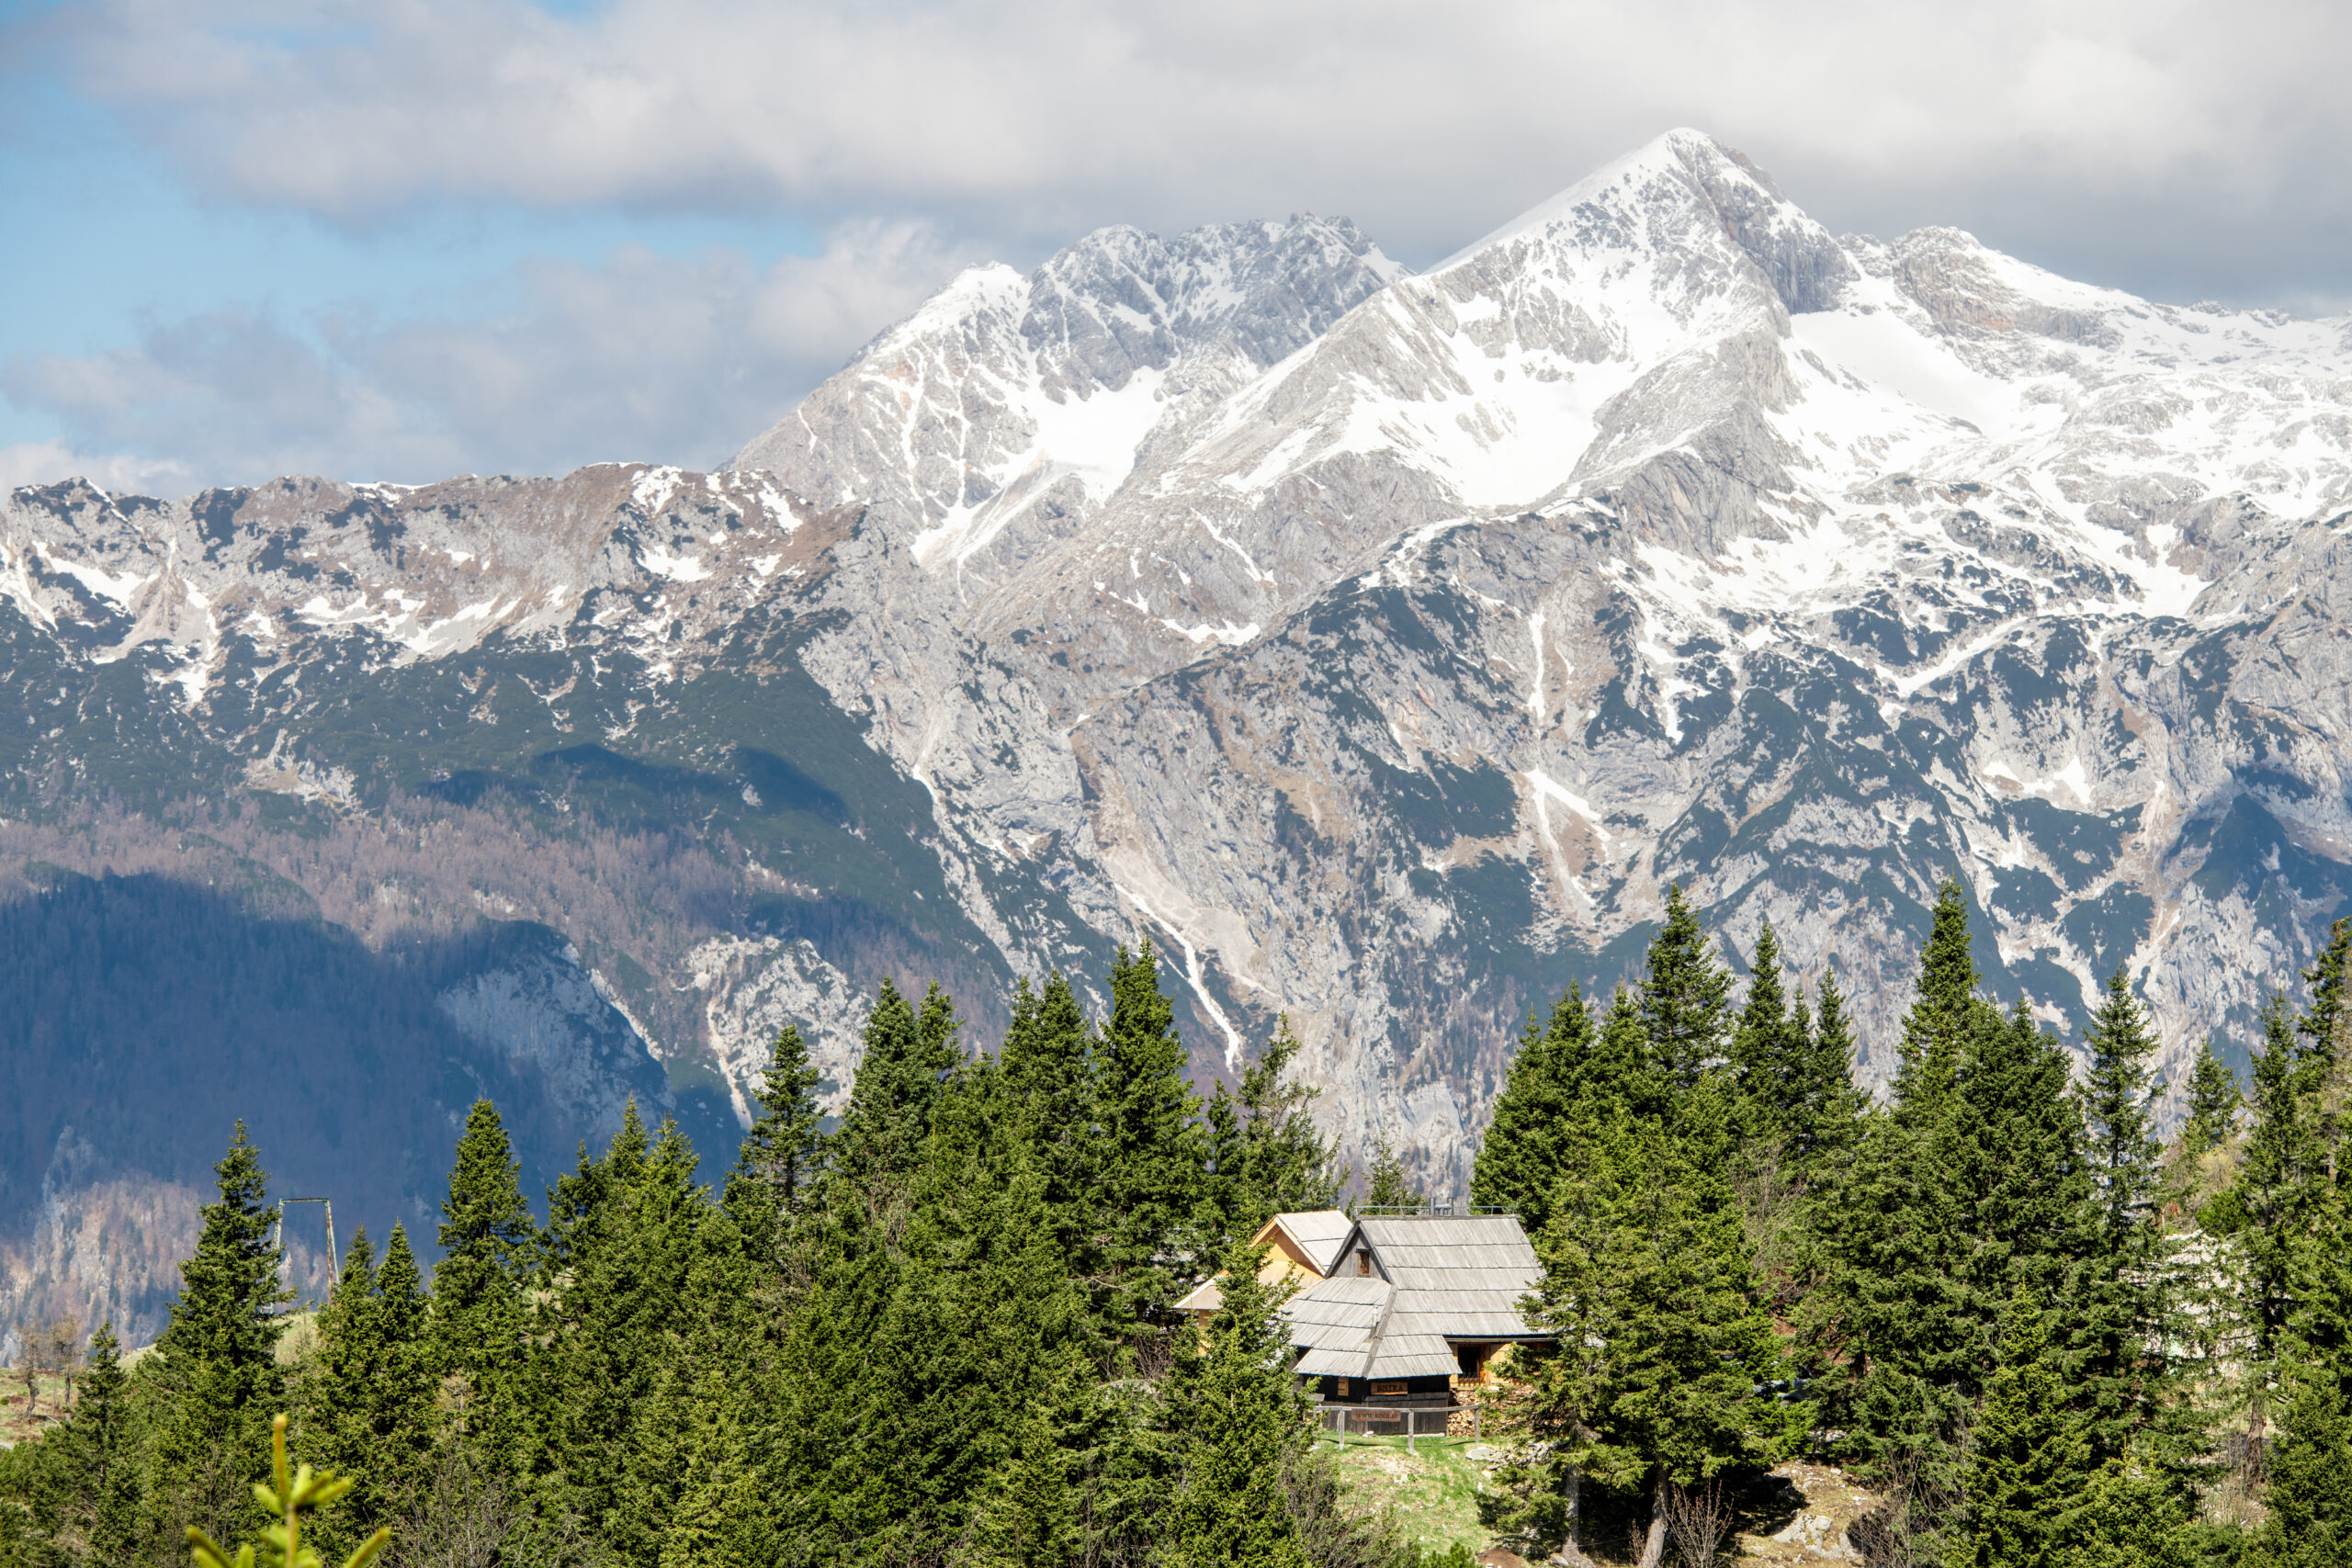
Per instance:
{"type": "Point", "coordinates": [479, 1301]}
{"type": "Point", "coordinates": [1050, 1081]}
{"type": "Point", "coordinates": [221, 1381]}
{"type": "Point", "coordinates": [1519, 1161]}
{"type": "Point", "coordinates": [2119, 1303]}
{"type": "Point", "coordinates": [2028, 1466]}
{"type": "Point", "coordinates": [1825, 1104]}
{"type": "Point", "coordinates": [1661, 1347]}
{"type": "Point", "coordinates": [2215, 1102]}
{"type": "Point", "coordinates": [2269, 1208]}
{"type": "Point", "coordinates": [1242, 1416]}
{"type": "Point", "coordinates": [372, 1416]}
{"type": "Point", "coordinates": [1943, 1013]}
{"type": "Point", "coordinates": [783, 1152]}
{"type": "Point", "coordinates": [1270, 1159]}
{"type": "Point", "coordinates": [1151, 1167]}
{"type": "Point", "coordinates": [625, 1235]}
{"type": "Point", "coordinates": [1685, 995]}
{"type": "Point", "coordinates": [97, 1467]}
{"type": "Point", "coordinates": [907, 1056]}
{"type": "Point", "coordinates": [1764, 1050]}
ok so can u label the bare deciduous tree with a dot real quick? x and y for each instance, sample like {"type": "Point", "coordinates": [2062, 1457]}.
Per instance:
{"type": "Point", "coordinates": [1696, 1519]}
{"type": "Point", "coordinates": [459, 1514]}
{"type": "Point", "coordinates": [49, 1349]}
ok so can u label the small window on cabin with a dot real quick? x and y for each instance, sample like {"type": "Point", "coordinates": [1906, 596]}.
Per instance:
{"type": "Point", "coordinates": [1468, 1358]}
{"type": "Point", "coordinates": [1342, 1390]}
{"type": "Point", "coordinates": [1364, 1260]}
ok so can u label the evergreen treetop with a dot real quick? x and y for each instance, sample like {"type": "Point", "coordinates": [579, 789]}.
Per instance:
{"type": "Point", "coordinates": [219, 1348]}
{"type": "Point", "coordinates": [2118, 1102]}
{"type": "Point", "coordinates": [1273, 1160]}
{"type": "Point", "coordinates": [1661, 1348]}
{"type": "Point", "coordinates": [907, 1056]}
{"type": "Point", "coordinates": [2215, 1102]}
{"type": "Point", "coordinates": [1761, 1046]}
{"type": "Point", "coordinates": [783, 1152]}
{"type": "Point", "coordinates": [1943, 1017]}
{"type": "Point", "coordinates": [1151, 1172]}
{"type": "Point", "coordinates": [2121, 1302]}
{"type": "Point", "coordinates": [1388, 1186]}
{"type": "Point", "coordinates": [489, 1247]}
{"type": "Point", "coordinates": [1519, 1159]}
{"type": "Point", "coordinates": [1685, 995]}
{"type": "Point", "coordinates": [1241, 1418]}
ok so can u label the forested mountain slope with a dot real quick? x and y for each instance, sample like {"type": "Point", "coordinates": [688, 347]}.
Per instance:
{"type": "Point", "coordinates": [1384, 645]}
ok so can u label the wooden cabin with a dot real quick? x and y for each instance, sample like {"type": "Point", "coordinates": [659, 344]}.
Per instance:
{"type": "Point", "coordinates": [1413, 1307]}
{"type": "Point", "coordinates": [1300, 1248]}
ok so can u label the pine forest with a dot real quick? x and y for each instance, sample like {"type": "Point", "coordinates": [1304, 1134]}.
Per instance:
{"type": "Point", "coordinates": [2051, 1310]}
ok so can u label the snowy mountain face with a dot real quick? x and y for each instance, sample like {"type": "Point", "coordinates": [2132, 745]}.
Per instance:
{"type": "Point", "coordinates": [1381, 645]}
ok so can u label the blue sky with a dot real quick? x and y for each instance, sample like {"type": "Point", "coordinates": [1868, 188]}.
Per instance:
{"type": "Point", "coordinates": [403, 239]}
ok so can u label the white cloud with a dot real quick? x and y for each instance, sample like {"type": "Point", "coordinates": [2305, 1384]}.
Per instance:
{"type": "Point", "coordinates": [1426, 120]}
{"type": "Point", "coordinates": [642, 356]}
{"type": "Point", "coordinates": [2177, 147]}
{"type": "Point", "coordinates": [46, 462]}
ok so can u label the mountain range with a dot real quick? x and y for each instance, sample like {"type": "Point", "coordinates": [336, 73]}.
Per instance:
{"type": "Point", "coordinates": [1381, 645]}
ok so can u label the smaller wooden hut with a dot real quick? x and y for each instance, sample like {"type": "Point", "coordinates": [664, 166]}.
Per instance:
{"type": "Point", "coordinates": [1414, 1307]}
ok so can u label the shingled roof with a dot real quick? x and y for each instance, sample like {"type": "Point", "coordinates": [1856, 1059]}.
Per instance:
{"type": "Point", "coordinates": [1318, 1233]}
{"type": "Point", "coordinates": [1436, 1280]}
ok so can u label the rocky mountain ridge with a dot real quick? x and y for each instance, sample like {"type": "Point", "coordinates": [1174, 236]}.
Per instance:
{"type": "Point", "coordinates": [1380, 644]}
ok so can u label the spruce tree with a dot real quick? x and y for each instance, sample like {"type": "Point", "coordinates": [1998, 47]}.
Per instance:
{"type": "Point", "coordinates": [910, 1376]}
{"type": "Point", "coordinates": [1976, 1183]}
{"type": "Point", "coordinates": [2268, 1210]}
{"type": "Point", "coordinates": [327, 1422]}
{"type": "Point", "coordinates": [480, 1313]}
{"type": "Point", "coordinates": [1049, 1081]}
{"type": "Point", "coordinates": [906, 1056]}
{"type": "Point", "coordinates": [1274, 1160]}
{"type": "Point", "coordinates": [2028, 1466]}
{"type": "Point", "coordinates": [2215, 1102]}
{"type": "Point", "coordinates": [2019, 1167]}
{"type": "Point", "coordinates": [1519, 1159]}
{"type": "Point", "coordinates": [97, 1462]}
{"type": "Point", "coordinates": [1152, 1169]}
{"type": "Point", "coordinates": [783, 1153]}
{"type": "Point", "coordinates": [371, 1414]}
{"type": "Point", "coordinates": [625, 1235]}
{"type": "Point", "coordinates": [1661, 1347]}
{"type": "Point", "coordinates": [2118, 1305]}
{"type": "Point", "coordinates": [220, 1383]}
{"type": "Point", "coordinates": [1388, 1187]}
{"type": "Point", "coordinates": [1943, 1013]}
{"type": "Point", "coordinates": [1685, 995]}
{"type": "Point", "coordinates": [1764, 1051]}
{"type": "Point", "coordinates": [1242, 1417]}
{"type": "Point", "coordinates": [2308, 1500]}
{"type": "Point", "coordinates": [1826, 1106]}
{"type": "Point", "coordinates": [1890, 1326]}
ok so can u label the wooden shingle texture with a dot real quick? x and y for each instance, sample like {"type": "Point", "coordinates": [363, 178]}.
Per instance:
{"type": "Point", "coordinates": [1436, 1280]}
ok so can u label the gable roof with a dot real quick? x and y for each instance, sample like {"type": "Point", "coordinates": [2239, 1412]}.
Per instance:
{"type": "Point", "coordinates": [1321, 1235]}
{"type": "Point", "coordinates": [1437, 1278]}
